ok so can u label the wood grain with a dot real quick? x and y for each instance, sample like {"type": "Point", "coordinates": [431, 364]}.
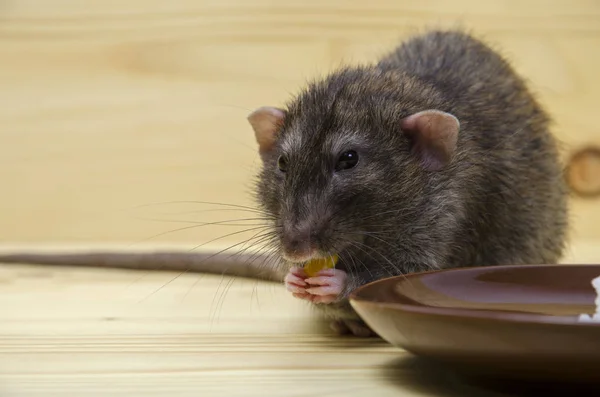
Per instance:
{"type": "Point", "coordinates": [85, 332]}
{"type": "Point", "coordinates": [583, 172]}
{"type": "Point", "coordinates": [110, 105]}
{"type": "Point", "coordinates": [97, 332]}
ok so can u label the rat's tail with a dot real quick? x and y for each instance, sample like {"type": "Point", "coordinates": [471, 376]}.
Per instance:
{"type": "Point", "coordinates": [249, 265]}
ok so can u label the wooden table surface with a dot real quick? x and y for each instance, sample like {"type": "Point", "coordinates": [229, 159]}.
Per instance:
{"type": "Point", "coordinates": [83, 332]}
{"type": "Point", "coordinates": [112, 104]}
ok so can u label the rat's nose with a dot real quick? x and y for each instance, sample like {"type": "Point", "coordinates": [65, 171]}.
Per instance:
{"type": "Point", "coordinates": [298, 242]}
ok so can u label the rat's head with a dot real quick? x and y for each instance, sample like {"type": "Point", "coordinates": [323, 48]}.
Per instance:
{"type": "Point", "coordinates": [344, 155]}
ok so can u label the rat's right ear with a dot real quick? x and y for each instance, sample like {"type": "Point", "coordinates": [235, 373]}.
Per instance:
{"type": "Point", "coordinates": [265, 122]}
{"type": "Point", "coordinates": [434, 135]}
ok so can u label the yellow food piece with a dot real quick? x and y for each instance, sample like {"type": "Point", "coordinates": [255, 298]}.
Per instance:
{"type": "Point", "coordinates": [314, 266]}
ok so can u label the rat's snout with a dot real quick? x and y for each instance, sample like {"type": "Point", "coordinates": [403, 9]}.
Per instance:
{"type": "Point", "coordinates": [299, 241]}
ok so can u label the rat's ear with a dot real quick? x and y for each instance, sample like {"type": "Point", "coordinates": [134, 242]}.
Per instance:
{"type": "Point", "coordinates": [433, 134]}
{"type": "Point", "coordinates": [265, 122]}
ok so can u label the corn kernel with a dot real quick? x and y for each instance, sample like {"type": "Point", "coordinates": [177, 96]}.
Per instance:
{"type": "Point", "coordinates": [314, 266]}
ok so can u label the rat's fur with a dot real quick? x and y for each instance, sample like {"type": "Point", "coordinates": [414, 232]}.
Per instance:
{"type": "Point", "coordinates": [502, 200]}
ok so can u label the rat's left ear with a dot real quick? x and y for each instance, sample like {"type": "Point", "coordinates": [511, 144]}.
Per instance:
{"type": "Point", "coordinates": [434, 135]}
{"type": "Point", "coordinates": [265, 122]}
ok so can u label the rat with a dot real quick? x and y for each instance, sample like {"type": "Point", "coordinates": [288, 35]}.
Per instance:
{"type": "Point", "coordinates": [435, 156]}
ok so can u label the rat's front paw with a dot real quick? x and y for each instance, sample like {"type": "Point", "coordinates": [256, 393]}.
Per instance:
{"type": "Point", "coordinates": [295, 283]}
{"type": "Point", "coordinates": [294, 280]}
{"type": "Point", "coordinates": [327, 286]}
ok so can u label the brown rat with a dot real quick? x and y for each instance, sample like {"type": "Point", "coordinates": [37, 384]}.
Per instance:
{"type": "Point", "coordinates": [436, 156]}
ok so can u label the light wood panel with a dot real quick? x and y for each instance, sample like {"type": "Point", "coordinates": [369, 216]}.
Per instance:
{"type": "Point", "coordinates": [108, 105]}
{"type": "Point", "coordinates": [100, 332]}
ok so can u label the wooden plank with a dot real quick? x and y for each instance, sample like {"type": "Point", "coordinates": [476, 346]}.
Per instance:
{"type": "Point", "coordinates": [109, 105]}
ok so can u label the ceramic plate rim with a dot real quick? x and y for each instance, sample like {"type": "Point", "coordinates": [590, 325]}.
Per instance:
{"type": "Point", "coordinates": [477, 314]}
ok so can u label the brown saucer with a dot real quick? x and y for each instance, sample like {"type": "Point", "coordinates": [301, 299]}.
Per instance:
{"type": "Point", "coordinates": [516, 322]}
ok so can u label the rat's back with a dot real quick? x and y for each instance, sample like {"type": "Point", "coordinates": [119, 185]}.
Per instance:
{"type": "Point", "coordinates": [507, 160]}
{"type": "Point", "coordinates": [450, 58]}
{"type": "Point", "coordinates": [465, 69]}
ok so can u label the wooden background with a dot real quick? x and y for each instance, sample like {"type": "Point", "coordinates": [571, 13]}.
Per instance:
{"type": "Point", "coordinates": [108, 105]}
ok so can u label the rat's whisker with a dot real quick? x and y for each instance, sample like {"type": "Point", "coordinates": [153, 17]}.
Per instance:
{"type": "Point", "coordinates": [196, 202]}
{"type": "Point", "coordinates": [169, 232]}
{"type": "Point", "coordinates": [269, 234]}
{"type": "Point", "coordinates": [212, 304]}
{"type": "Point", "coordinates": [229, 235]}
{"type": "Point", "coordinates": [204, 260]}
{"type": "Point", "coordinates": [362, 264]}
{"type": "Point", "coordinates": [351, 262]}
{"type": "Point", "coordinates": [256, 236]}
{"type": "Point", "coordinates": [221, 298]}
{"type": "Point", "coordinates": [354, 245]}
{"type": "Point", "coordinates": [397, 270]}
{"type": "Point", "coordinates": [215, 223]}
{"type": "Point", "coordinates": [217, 210]}
{"type": "Point", "coordinates": [359, 244]}
{"type": "Point", "coordinates": [220, 301]}
{"type": "Point", "coordinates": [270, 252]}
{"type": "Point", "coordinates": [372, 235]}
{"type": "Point", "coordinates": [185, 271]}
{"type": "Point", "coordinates": [403, 211]}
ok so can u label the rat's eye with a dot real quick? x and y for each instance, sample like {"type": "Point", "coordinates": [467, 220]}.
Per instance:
{"type": "Point", "coordinates": [282, 164]}
{"type": "Point", "coordinates": [347, 160]}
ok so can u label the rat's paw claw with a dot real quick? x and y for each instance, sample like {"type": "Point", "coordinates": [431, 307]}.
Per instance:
{"type": "Point", "coordinates": [292, 279]}
{"type": "Point", "coordinates": [319, 280]}
{"type": "Point", "coordinates": [294, 282]}
{"type": "Point", "coordinates": [298, 272]}
{"type": "Point", "coordinates": [339, 327]}
{"type": "Point", "coordinates": [360, 329]}
{"type": "Point", "coordinates": [324, 298]}
{"type": "Point", "coordinates": [327, 286]}
{"type": "Point", "coordinates": [334, 290]}
{"type": "Point", "coordinates": [303, 295]}
{"type": "Point", "coordinates": [356, 328]}
{"type": "Point", "coordinates": [295, 289]}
